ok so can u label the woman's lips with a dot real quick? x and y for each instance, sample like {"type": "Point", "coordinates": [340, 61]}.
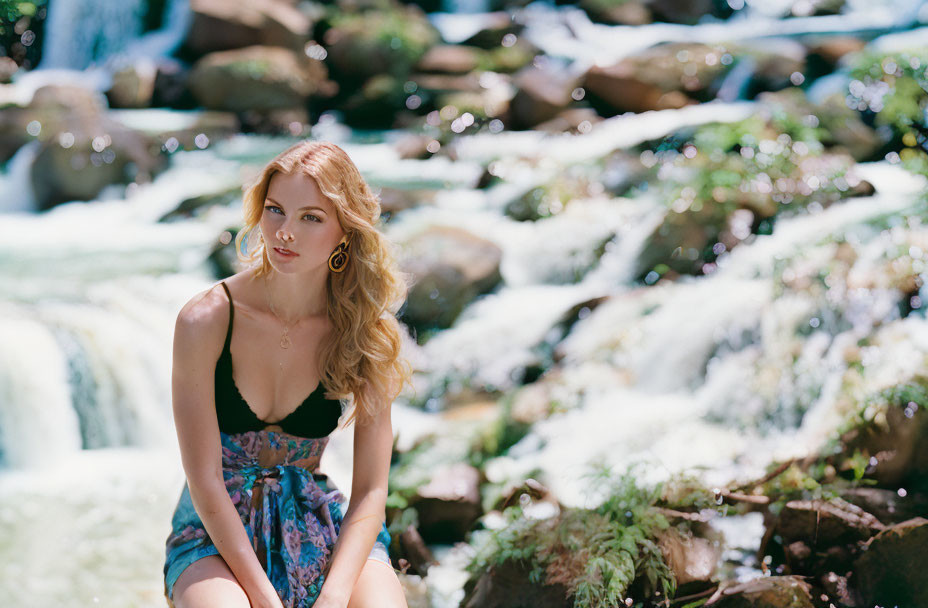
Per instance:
{"type": "Point", "coordinates": [285, 252]}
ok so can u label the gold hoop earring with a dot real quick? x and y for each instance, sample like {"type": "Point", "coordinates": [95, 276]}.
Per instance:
{"type": "Point", "coordinates": [339, 258]}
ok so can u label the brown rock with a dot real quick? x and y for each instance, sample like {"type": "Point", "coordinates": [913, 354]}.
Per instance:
{"type": "Point", "coordinates": [508, 586]}
{"type": "Point", "coordinates": [692, 559]}
{"type": "Point", "coordinates": [891, 569]}
{"type": "Point", "coordinates": [449, 504]}
{"type": "Point", "coordinates": [541, 93]}
{"type": "Point", "coordinates": [133, 85]}
{"type": "Point", "coordinates": [449, 59]}
{"type": "Point", "coordinates": [765, 592]}
{"type": "Point", "coordinates": [257, 78]}
{"type": "Point", "coordinates": [221, 25]}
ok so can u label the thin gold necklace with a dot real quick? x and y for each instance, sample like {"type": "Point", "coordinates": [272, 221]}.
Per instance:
{"type": "Point", "coordinates": [285, 338]}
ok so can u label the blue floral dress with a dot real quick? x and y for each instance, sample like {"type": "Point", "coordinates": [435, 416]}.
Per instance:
{"type": "Point", "coordinates": [291, 512]}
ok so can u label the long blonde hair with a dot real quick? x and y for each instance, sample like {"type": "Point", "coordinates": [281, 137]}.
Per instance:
{"type": "Point", "coordinates": [363, 359]}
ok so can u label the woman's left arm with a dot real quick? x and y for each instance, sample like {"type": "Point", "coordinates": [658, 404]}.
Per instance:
{"type": "Point", "coordinates": [373, 444]}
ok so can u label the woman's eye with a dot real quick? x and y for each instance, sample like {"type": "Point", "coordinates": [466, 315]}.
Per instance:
{"type": "Point", "coordinates": [272, 208]}
{"type": "Point", "coordinates": [312, 216]}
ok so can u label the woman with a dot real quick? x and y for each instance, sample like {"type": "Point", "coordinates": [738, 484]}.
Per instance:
{"type": "Point", "coordinates": [313, 314]}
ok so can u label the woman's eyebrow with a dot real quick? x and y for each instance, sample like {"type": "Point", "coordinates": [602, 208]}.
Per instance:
{"type": "Point", "coordinates": [300, 209]}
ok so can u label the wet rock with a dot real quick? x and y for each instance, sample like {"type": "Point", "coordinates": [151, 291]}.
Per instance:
{"type": "Point", "coordinates": [450, 267]}
{"type": "Point", "coordinates": [221, 25]}
{"type": "Point", "coordinates": [663, 77]}
{"type": "Point", "coordinates": [133, 85]}
{"type": "Point", "coordinates": [841, 126]}
{"type": "Point", "coordinates": [685, 11]}
{"type": "Point", "coordinates": [891, 569]}
{"type": "Point", "coordinates": [823, 535]}
{"type": "Point", "coordinates": [827, 51]}
{"type": "Point", "coordinates": [449, 504]}
{"type": "Point", "coordinates": [377, 42]}
{"type": "Point", "coordinates": [571, 120]}
{"type": "Point", "coordinates": [691, 558]}
{"type": "Point", "coordinates": [414, 550]}
{"type": "Point", "coordinates": [394, 200]}
{"type": "Point", "coordinates": [171, 85]}
{"type": "Point", "coordinates": [82, 149]}
{"type": "Point", "coordinates": [8, 67]}
{"type": "Point", "coordinates": [508, 586]}
{"type": "Point", "coordinates": [449, 59]}
{"type": "Point", "coordinates": [887, 505]}
{"type": "Point", "coordinates": [541, 93]}
{"type": "Point", "coordinates": [773, 61]}
{"type": "Point", "coordinates": [496, 26]}
{"type": "Point", "coordinates": [896, 445]}
{"type": "Point", "coordinates": [257, 78]}
{"type": "Point", "coordinates": [191, 207]}
{"type": "Point", "coordinates": [766, 592]}
{"type": "Point", "coordinates": [633, 12]}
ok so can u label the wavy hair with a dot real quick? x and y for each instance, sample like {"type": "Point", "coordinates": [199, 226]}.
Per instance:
{"type": "Point", "coordinates": [363, 361]}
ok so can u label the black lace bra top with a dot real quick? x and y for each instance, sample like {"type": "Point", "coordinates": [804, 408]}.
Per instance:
{"type": "Point", "coordinates": [315, 417]}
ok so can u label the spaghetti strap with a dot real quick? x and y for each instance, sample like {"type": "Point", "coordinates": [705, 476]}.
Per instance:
{"type": "Point", "coordinates": [231, 314]}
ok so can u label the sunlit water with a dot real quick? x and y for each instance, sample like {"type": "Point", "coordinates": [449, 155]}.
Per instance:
{"type": "Point", "coordinates": [91, 471]}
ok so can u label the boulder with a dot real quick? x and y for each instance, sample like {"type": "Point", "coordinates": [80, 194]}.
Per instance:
{"type": "Point", "coordinates": [541, 93]}
{"type": "Point", "coordinates": [691, 558]}
{"type": "Point", "coordinates": [495, 26]}
{"type": "Point", "coordinates": [765, 592]}
{"type": "Point", "coordinates": [632, 12]}
{"type": "Point", "coordinates": [449, 504]}
{"type": "Point", "coordinates": [133, 85]}
{"type": "Point", "coordinates": [450, 267]}
{"type": "Point", "coordinates": [663, 77]}
{"type": "Point", "coordinates": [507, 585]}
{"type": "Point", "coordinates": [450, 59]}
{"type": "Point", "coordinates": [82, 149]}
{"type": "Point", "coordinates": [891, 569]}
{"type": "Point", "coordinates": [258, 78]}
{"type": "Point", "coordinates": [221, 25]}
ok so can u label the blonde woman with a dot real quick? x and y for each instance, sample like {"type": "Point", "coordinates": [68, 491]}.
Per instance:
{"type": "Point", "coordinates": [257, 525]}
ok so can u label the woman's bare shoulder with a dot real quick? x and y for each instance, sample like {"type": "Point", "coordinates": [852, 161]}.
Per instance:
{"type": "Point", "coordinates": [203, 319]}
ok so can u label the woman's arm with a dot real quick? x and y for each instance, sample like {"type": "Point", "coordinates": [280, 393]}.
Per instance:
{"type": "Point", "coordinates": [373, 444]}
{"type": "Point", "coordinates": [201, 326]}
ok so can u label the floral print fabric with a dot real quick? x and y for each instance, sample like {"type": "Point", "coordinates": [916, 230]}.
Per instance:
{"type": "Point", "coordinates": [292, 513]}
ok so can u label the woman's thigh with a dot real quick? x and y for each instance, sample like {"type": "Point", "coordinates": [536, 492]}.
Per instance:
{"type": "Point", "coordinates": [377, 587]}
{"type": "Point", "coordinates": [206, 583]}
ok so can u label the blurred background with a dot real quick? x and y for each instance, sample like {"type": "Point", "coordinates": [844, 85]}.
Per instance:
{"type": "Point", "coordinates": [668, 318]}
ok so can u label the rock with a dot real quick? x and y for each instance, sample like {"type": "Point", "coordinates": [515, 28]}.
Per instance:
{"type": "Point", "coordinates": [83, 150]}
{"type": "Point", "coordinates": [633, 12]}
{"type": "Point", "coordinates": [451, 267]}
{"type": "Point", "coordinates": [221, 25]}
{"type": "Point", "coordinates": [886, 505]}
{"type": "Point", "coordinates": [823, 535]}
{"type": "Point", "coordinates": [446, 83]}
{"type": "Point", "coordinates": [841, 126]}
{"type": "Point", "coordinates": [496, 25]}
{"type": "Point", "coordinates": [541, 93]}
{"type": "Point", "coordinates": [891, 569]}
{"type": "Point", "coordinates": [449, 504]}
{"type": "Point", "coordinates": [663, 77]}
{"type": "Point", "coordinates": [8, 67]}
{"type": "Point", "coordinates": [375, 105]}
{"type": "Point", "coordinates": [829, 50]}
{"type": "Point", "coordinates": [571, 120]}
{"type": "Point", "coordinates": [133, 85]}
{"type": "Point", "coordinates": [692, 559]}
{"type": "Point", "coordinates": [191, 207]}
{"type": "Point", "coordinates": [681, 11]}
{"type": "Point", "coordinates": [171, 85]}
{"type": "Point", "coordinates": [766, 592]}
{"type": "Point", "coordinates": [377, 42]}
{"type": "Point", "coordinates": [394, 200]}
{"type": "Point", "coordinates": [449, 59]}
{"type": "Point", "coordinates": [257, 78]}
{"type": "Point", "coordinates": [414, 550]}
{"type": "Point", "coordinates": [508, 586]}
{"type": "Point", "coordinates": [774, 61]}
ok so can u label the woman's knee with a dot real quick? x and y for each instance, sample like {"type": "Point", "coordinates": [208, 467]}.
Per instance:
{"type": "Point", "coordinates": [208, 583]}
{"type": "Point", "coordinates": [377, 587]}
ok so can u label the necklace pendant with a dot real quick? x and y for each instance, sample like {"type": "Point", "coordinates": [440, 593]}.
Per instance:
{"type": "Point", "coordinates": [285, 341]}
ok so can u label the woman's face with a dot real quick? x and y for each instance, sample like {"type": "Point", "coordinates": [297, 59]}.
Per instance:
{"type": "Point", "coordinates": [298, 218]}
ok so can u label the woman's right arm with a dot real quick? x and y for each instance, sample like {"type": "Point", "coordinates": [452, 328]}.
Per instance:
{"type": "Point", "coordinates": [198, 338]}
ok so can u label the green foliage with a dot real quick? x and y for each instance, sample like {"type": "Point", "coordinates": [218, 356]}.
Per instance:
{"type": "Point", "coordinates": [894, 88]}
{"type": "Point", "coordinates": [595, 553]}
{"type": "Point", "coordinates": [12, 10]}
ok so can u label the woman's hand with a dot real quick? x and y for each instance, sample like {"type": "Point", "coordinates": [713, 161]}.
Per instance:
{"type": "Point", "coordinates": [328, 600]}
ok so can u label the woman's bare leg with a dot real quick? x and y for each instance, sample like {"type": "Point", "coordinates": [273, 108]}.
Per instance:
{"type": "Point", "coordinates": [207, 583]}
{"type": "Point", "coordinates": [377, 587]}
